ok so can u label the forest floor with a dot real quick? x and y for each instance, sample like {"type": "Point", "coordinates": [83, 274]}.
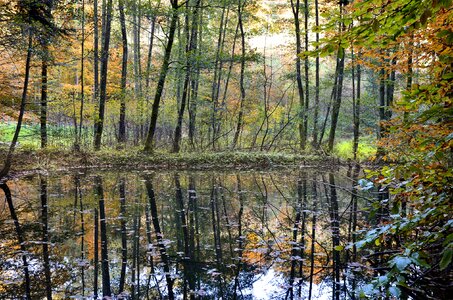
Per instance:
{"type": "Point", "coordinates": [53, 160]}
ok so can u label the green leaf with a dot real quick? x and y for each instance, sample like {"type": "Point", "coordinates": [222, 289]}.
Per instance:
{"type": "Point", "coordinates": [401, 262]}
{"type": "Point", "coordinates": [394, 291]}
{"type": "Point", "coordinates": [446, 258]}
{"type": "Point", "coordinates": [338, 248]}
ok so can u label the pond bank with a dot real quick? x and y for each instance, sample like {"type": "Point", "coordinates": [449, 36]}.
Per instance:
{"type": "Point", "coordinates": [49, 160]}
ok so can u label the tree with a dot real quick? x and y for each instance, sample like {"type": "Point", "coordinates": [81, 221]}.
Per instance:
{"type": "Point", "coordinates": [241, 5]}
{"type": "Point", "coordinates": [106, 26]}
{"type": "Point", "coordinates": [295, 7]}
{"type": "Point", "coordinates": [163, 74]}
{"type": "Point", "coordinates": [122, 123]}
{"type": "Point", "coordinates": [27, 18]}
{"type": "Point", "coordinates": [190, 49]}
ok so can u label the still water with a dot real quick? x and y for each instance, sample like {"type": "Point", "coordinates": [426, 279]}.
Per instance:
{"type": "Point", "coordinates": [182, 235]}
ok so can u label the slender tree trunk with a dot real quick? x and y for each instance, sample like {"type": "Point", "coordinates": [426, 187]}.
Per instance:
{"type": "Point", "coordinates": [96, 53]}
{"type": "Point", "coordinates": [163, 74]}
{"type": "Point", "coordinates": [43, 117]}
{"type": "Point", "coordinates": [122, 123]}
{"type": "Point", "coordinates": [190, 49]}
{"type": "Point", "coordinates": [316, 106]}
{"type": "Point", "coordinates": [306, 69]}
{"type": "Point", "coordinates": [12, 147]}
{"type": "Point", "coordinates": [240, 121]}
{"type": "Point", "coordinates": [338, 87]}
{"type": "Point", "coordinates": [356, 105]}
{"type": "Point", "coordinates": [104, 67]}
{"type": "Point", "coordinates": [217, 70]}
{"type": "Point", "coordinates": [82, 80]}
{"type": "Point", "coordinates": [195, 80]}
{"type": "Point", "coordinates": [295, 7]}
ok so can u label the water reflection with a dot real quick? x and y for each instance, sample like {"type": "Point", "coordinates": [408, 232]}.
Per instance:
{"type": "Point", "coordinates": [192, 235]}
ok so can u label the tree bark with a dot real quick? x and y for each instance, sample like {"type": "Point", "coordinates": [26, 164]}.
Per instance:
{"type": "Point", "coordinates": [163, 74]}
{"type": "Point", "coordinates": [338, 87]}
{"type": "Point", "coordinates": [241, 5]}
{"type": "Point", "coordinates": [300, 88]}
{"type": "Point", "coordinates": [122, 123]}
{"type": "Point", "coordinates": [190, 48]}
{"type": "Point", "coordinates": [104, 66]}
{"type": "Point", "coordinates": [316, 106]}
{"type": "Point", "coordinates": [12, 147]}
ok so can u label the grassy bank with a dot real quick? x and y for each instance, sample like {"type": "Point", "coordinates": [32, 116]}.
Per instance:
{"type": "Point", "coordinates": [54, 160]}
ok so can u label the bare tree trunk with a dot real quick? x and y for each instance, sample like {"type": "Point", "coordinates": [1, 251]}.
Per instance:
{"type": "Point", "coordinates": [307, 80]}
{"type": "Point", "coordinates": [316, 107]}
{"type": "Point", "coordinates": [195, 80]}
{"type": "Point", "coordinates": [82, 80]}
{"type": "Point", "coordinates": [190, 48]}
{"type": "Point", "coordinates": [43, 116]}
{"type": "Point", "coordinates": [103, 83]}
{"type": "Point", "coordinates": [163, 74]}
{"type": "Point", "coordinates": [338, 87]}
{"type": "Point", "coordinates": [122, 123]}
{"type": "Point", "coordinates": [96, 53]}
{"type": "Point", "coordinates": [300, 88]}
{"type": "Point", "coordinates": [241, 6]}
{"type": "Point", "coordinates": [356, 105]}
{"type": "Point", "coordinates": [12, 147]}
{"type": "Point", "coordinates": [217, 70]}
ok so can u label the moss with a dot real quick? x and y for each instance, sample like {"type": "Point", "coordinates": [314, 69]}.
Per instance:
{"type": "Point", "coordinates": [365, 151]}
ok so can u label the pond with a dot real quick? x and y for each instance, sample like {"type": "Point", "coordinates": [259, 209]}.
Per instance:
{"type": "Point", "coordinates": [182, 235]}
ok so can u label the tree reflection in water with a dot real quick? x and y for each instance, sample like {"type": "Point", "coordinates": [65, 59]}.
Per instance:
{"type": "Point", "coordinates": [205, 235]}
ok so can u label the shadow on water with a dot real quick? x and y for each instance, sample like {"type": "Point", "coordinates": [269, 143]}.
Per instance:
{"type": "Point", "coordinates": [190, 235]}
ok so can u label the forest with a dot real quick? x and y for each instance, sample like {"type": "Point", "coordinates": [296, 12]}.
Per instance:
{"type": "Point", "coordinates": [319, 132]}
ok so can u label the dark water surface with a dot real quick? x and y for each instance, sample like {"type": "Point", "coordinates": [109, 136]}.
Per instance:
{"type": "Point", "coordinates": [181, 235]}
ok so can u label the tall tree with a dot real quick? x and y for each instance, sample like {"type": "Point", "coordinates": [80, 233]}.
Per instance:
{"type": "Point", "coordinates": [295, 7]}
{"type": "Point", "coordinates": [12, 147]}
{"type": "Point", "coordinates": [122, 123]}
{"type": "Point", "coordinates": [241, 5]}
{"type": "Point", "coordinates": [338, 86]}
{"type": "Point", "coordinates": [190, 49]}
{"type": "Point", "coordinates": [163, 74]}
{"type": "Point", "coordinates": [316, 104]}
{"type": "Point", "coordinates": [45, 39]}
{"type": "Point", "coordinates": [106, 26]}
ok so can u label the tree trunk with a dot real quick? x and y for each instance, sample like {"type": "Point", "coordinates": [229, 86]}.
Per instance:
{"type": "Point", "coordinates": [12, 147]}
{"type": "Point", "coordinates": [338, 88]}
{"type": "Point", "coordinates": [300, 87]}
{"type": "Point", "coordinates": [307, 80]}
{"type": "Point", "coordinates": [96, 53]}
{"type": "Point", "coordinates": [103, 83]}
{"type": "Point", "coordinates": [43, 117]}
{"type": "Point", "coordinates": [190, 48]}
{"type": "Point", "coordinates": [82, 79]}
{"type": "Point", "coordinates": [195, 81]}
{"type": "Point", "coordinates": [241, 5]}
{"type": "Point", "coordinates": [316, 106]}
{"type": "Point", "coordinates": [356, 106]}
{"type": "Point", "coordinates": [122, 123]}
{"type": "Point", "coordinates": [163, 74]}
